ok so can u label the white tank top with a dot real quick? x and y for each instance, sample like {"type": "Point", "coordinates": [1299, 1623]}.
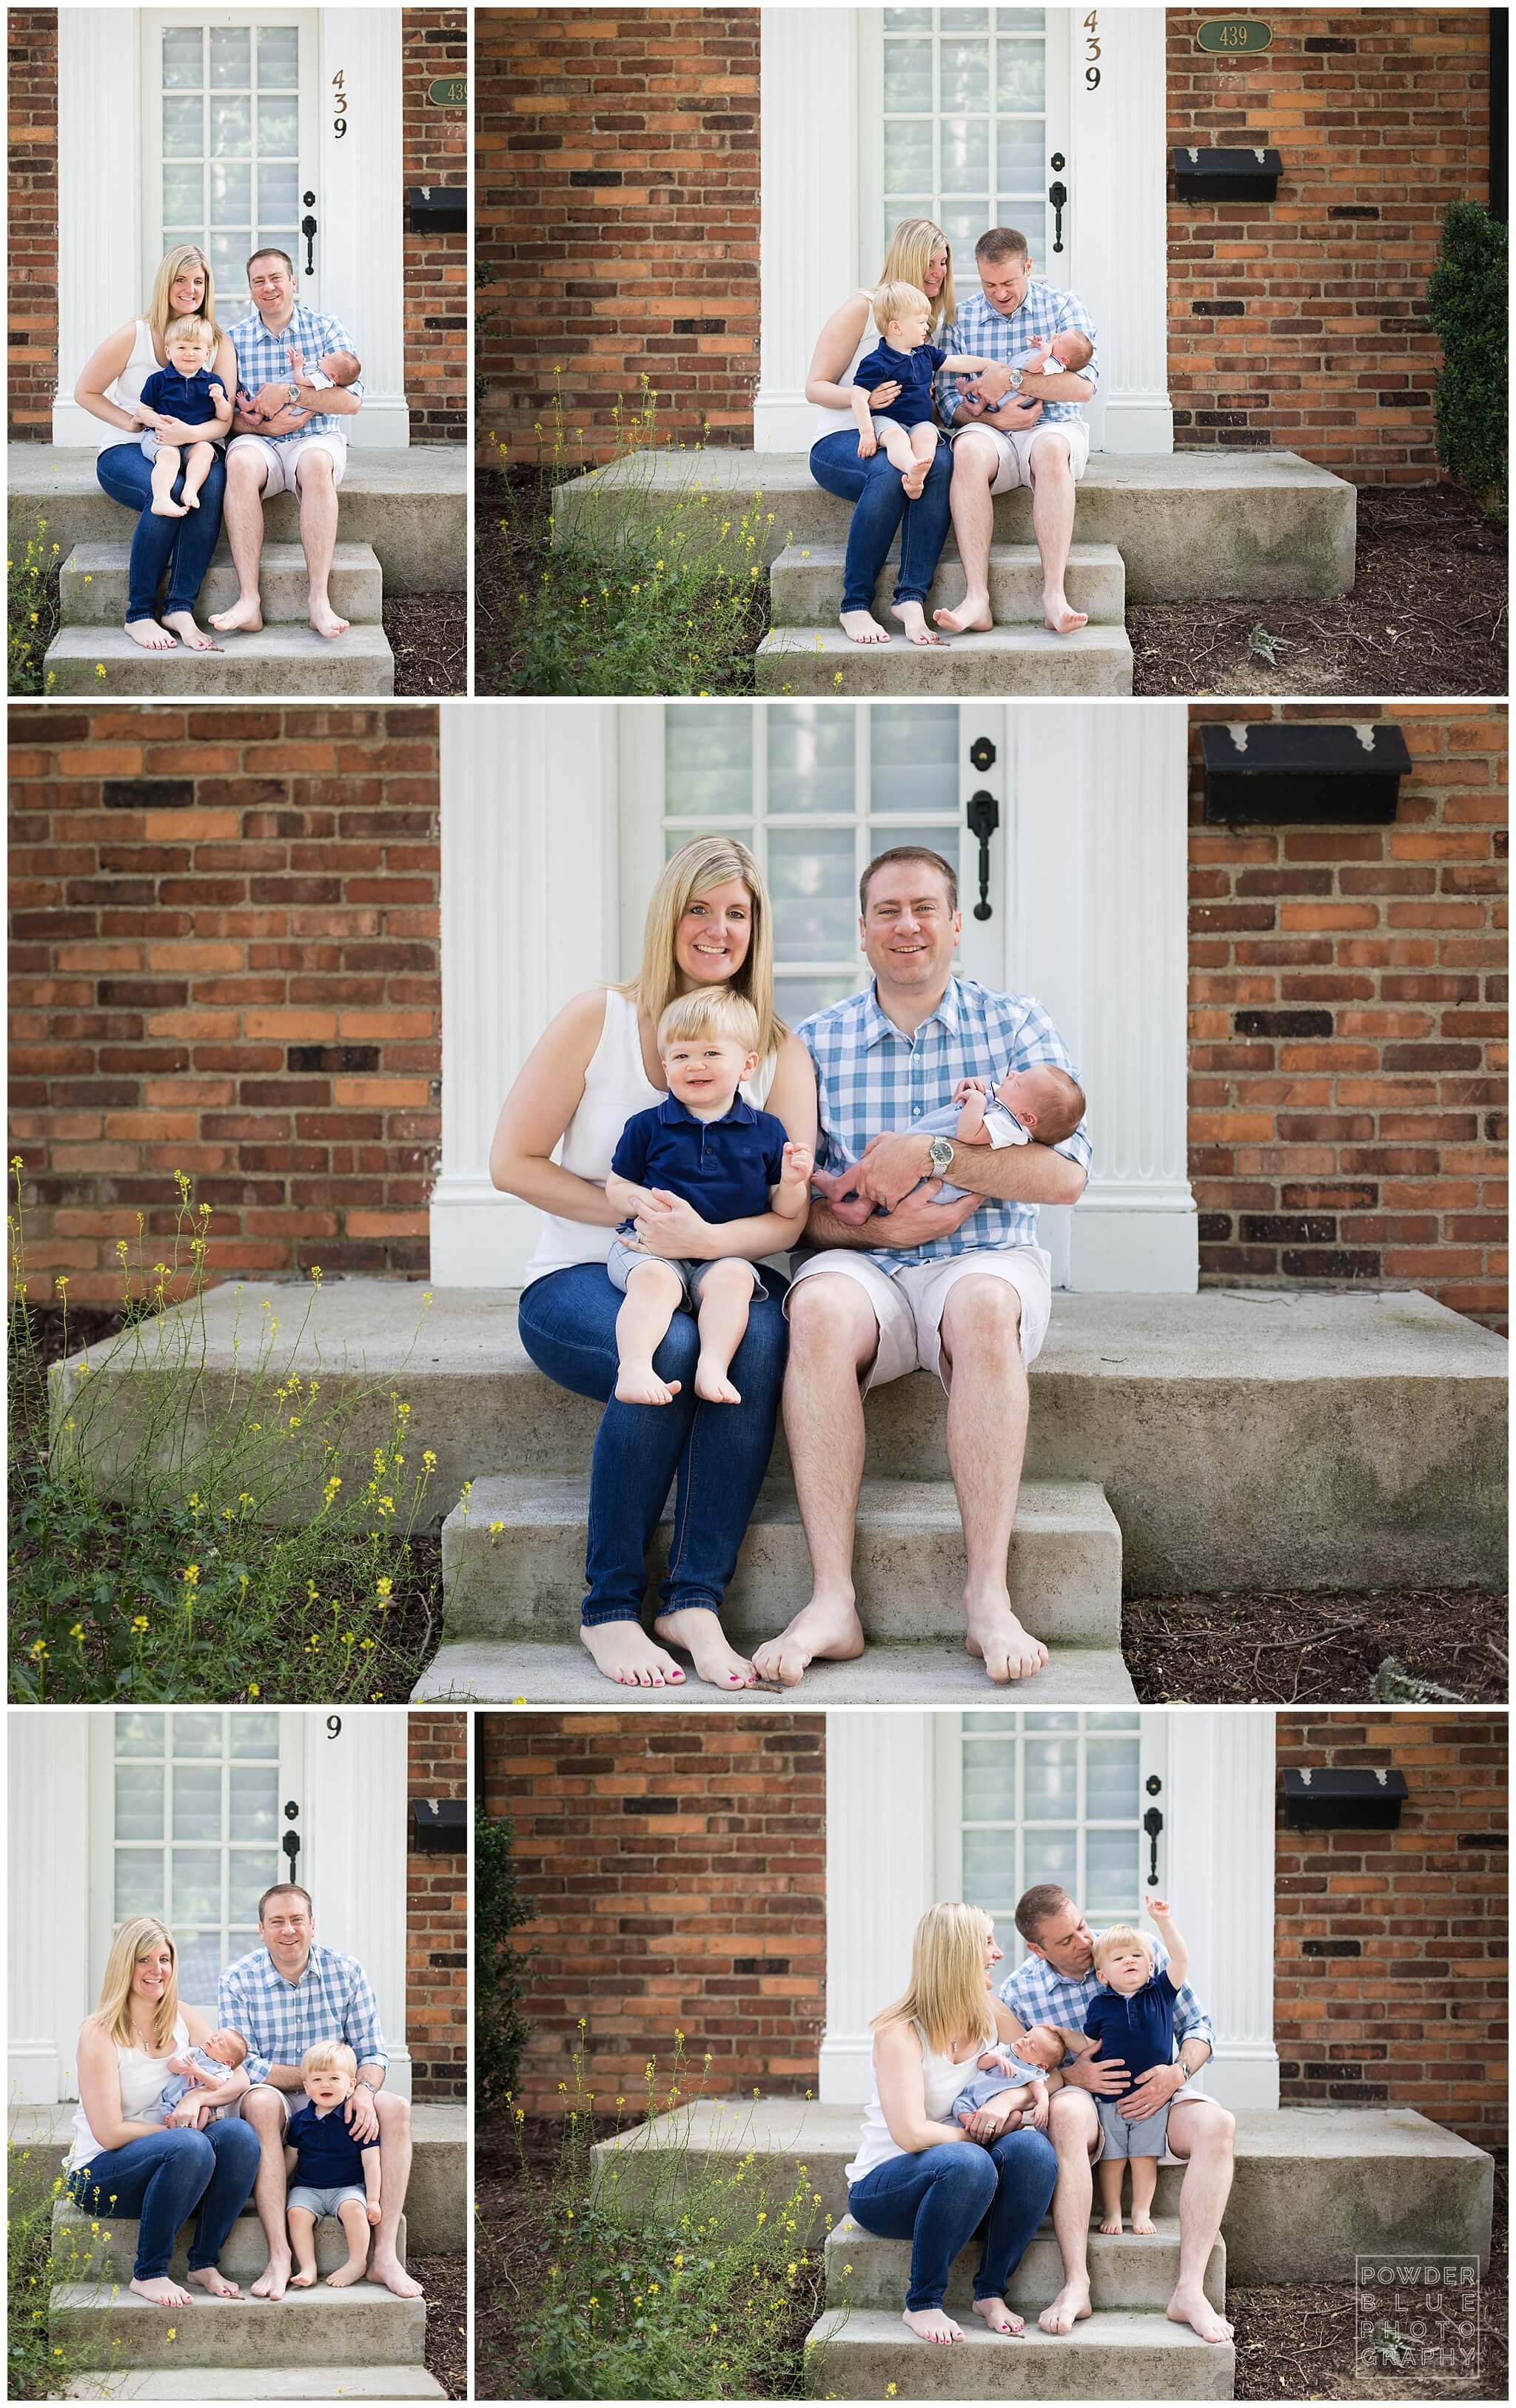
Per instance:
{"type": "Point", "coordinates": [127, 390]}
{"type": "Point", "coordinates": [616, 1084]}
{"type": "Point", "coordinates": [142, 2079]}
{"type": "Point", "coordinates": [942, 2078]}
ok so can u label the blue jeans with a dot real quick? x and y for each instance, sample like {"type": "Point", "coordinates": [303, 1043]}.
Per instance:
{"type": "Point", "coordinates": [879, 504]}
{"type": "Point", "coordinates": [937, 2199]}
{"type": "Point", "coordinates": [714, 1456]}
{"type": "Point", "coordinates": [161, 2176]}
{"type": "Point", "coordinates": [181, 546]}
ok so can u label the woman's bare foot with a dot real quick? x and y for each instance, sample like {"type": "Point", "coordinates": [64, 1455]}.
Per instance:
{"type": "Point", "coordinates": [302, 2278]}
{"type": "Point", "coordinates": [353, 2271]}
{"type": "Point", "coordinates": [970, 618]}
{"type": "Point", "coordinates": [714, 1385]}
{"type": "Point", "coordinates": [1190, 2307]}
{"type": "Point", "coordinates": [1062, 621]}
{"type": "Point", "coordinates": [183, 624]}
{"type": "Point", "coordinates": [244, 618]}
{"type": "Point", "coordinates": [828, 1627]}
{"type": "Point", "coordinates": [624, 1651]}
{"type": "Point", "coordinates": [914, 619]}
{"type": "Point", "coordinates": [326, 621]}
{"type": "Point", "coordinates": [386, 2268]}
{"type": "Point", "coordinates": [211, 2279]}
{"type": "Point", "coordinates": [164, 509]}
{"type": "Point", "coordinates": [862, 627]}
{"type": "Point", "coordinates": [1064, 2313]}
{"type": "Point", "coordinates": [151, 637]}
{"type": "Point", "coordinates": [931, 2323]}
{"type": "Point", "coordinates": [1111, 2222]}
{"type": "Point", "coordinates": [161, 2291]}
{"type": "Point", "coordinates": [998, 2317]}
{"type": "Point", "coordinates": [1141, 2221]}
{"type": "Point", "coordinates": [993, 1633]}
{"type": "Point", "coordinates": [638, 1383]}
{"type": "Point", "coordinates": [698, 1630]}
{"type": "Point", "coordinates": [273, 2282]}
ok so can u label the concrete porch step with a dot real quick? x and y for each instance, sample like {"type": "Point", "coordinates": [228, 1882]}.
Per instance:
{"type": "Point", "coordinates": [865, 2353]}
{"type": "Point", "coordinates": [197, 2383]}
{"type": "Point", "coordinates": [101, 2324]}
{"type": "Point", "coordinates": [805, 583]}
{"type": "Point", "coordinates": [282, 660]}
{"type": "Point", "coordinates": [527, 1580]}
{"type": "Point", "coordinates": [931, 1673]}
{"type": "Point", "coordinates": [1133, 2272]}
{"type": "Point", "coordinates": [1012, 660]}
{"type": "Point", "coordinates": [99, 2248]}
{"type": "Point", "coordinates": [92, 588]}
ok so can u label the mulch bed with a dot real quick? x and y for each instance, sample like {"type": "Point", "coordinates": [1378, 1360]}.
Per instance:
{"type": "Point", "coordinates": [445, 2282]}
{"type": "Point", "coordinates": [428, 635]}
{"type": "Point", "coordinates": [511, 2241]}
{"type": "Point", "coordinates": [1427, 615]}
{"type": "Point", "coordinates": [1290, 1648]}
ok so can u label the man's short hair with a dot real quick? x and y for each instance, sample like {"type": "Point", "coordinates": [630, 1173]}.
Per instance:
{"type": "Point", "coordinates": [1036, 1906]}
{"type": "Point", "coordinates": [1001, 242]}
{"type": "Point", "coordinates": [708, 1013]}
{"type": "Point", "coordinates": [896, 301]}
{"type": "Point", "coordinates": [287, 1889]}
{"type": "Point", "coordinates": [907, 852]}
{"type": "Point", "coordinates": [269, 251]}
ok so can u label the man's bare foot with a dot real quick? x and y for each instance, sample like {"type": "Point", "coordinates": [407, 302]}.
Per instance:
{"type": "Point", "coordinates": [164, 509]}
{"type": "Point", "coordinates": [151, 637]}
{"type": "Point", "coordinates": [1064, 2313]}
{"type": "Point", "coordinates": [624, 1651]}
{"type": "Point", "coordinates": [638, 1383]}
{"type": "Point", "coordinates": [697, 1629]}
{"type": "Point", "coordinates": [161, 2291]}
{"type": "Point", "coordinates": [993, 1633]}
{"type": "Point", "coordinates": [970, 618]}
{"type": "Point", "coordinates": [211, 2279]}
{"type": "Point", "coordinates": [302, 2278]}
{"type": "Point", "coordinates": [914, 619]}
{"type": "Point", "coordinates": [931, 2323]}
{"type": "Point", "coordinates": [244, 618]}
{"type": "Point", "coordinates": [828, 1627]}
{"type": "Point", "coordinates": [712, 1382]}
{"type": "Point", "coordinates": [1062, 619]}
{"type": "Point", "coordinates": [1142, 2221]}
{"type": "Point", "coordinates": [353, 2271]}
{"type": "Point", "coordinates": [325, 619]}
{"type": "Point", "coordinates": [1190, 2307]}
{"type": "Point", "coordinates": [389, 2271]}
{"type": "Point", "coordinates": [183, 624]}
{"type": "Point", "coordinates": [1111, 2222]}
{"type": "Point", "coordinates": [998, 2317]}
{"type": "Point", "coordinates": [862, 627]}
{"type": "Point", "coordinates": [274, 2281]}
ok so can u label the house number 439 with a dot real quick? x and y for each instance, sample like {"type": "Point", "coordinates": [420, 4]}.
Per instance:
{"type": "Point", "coordinates": [340, 104]}
{"type": "Point", "coordinates": [1091, 49]}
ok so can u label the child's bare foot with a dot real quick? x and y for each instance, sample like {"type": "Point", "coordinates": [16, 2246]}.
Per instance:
{"type": "Point", "coordinates": [998, 2317]}
{"type": "Point", "coordinates": [302, 2278]}
{"type": "Point", "coordinates": [638, 1383]}
{"type": "Point", "coordinates": [1142, 2221]}
{"type": "Point", "coordinates": [624, 1651]}
{"type": "Point", "coordinates": [211, 2279]}
{"type": "Point", "coordinates": [862, 627]}
{"type": "Point", "coordinates": [696, 1627]}
{"type": "Point", "coordinates": [1111, 2222]}
{"type": "Point", "coordinates": [151, 637]}
{"type": "Point", "coordinates": [244, 618]}
{"type": "Point", "coordinates": [710, 1381]}
{"type": "Point", "coordinates": [325, 619]}
{"type": "Point", "coordinates": [164, 509]}
{"type": "Point", "coordinates": [353, 2271]}
{"type": "Point", "coordinates": [913, 478]}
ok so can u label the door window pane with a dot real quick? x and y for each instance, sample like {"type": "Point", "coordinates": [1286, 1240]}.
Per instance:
{"type": "Point", "coordinates": [811, 881]}
{"type": "Point", "coordinates": [182, 58]}
{"type": "Point", "coordinates": [1020, 156]}
{"type": "Point", "coordinates": [990, 1783]}
{"type": "Point", "coordinates": [279, 58]}
{"type": "Point", "coordinates": [1052, 1793]}
{"type": "Point", "coordinates": [913, 757]}
{"type": "Point", "coordinates": [196, 1734]}
{"type": "Point", "coordinates": [990, 1877]}
{"type": "Point", "coordinates": [811, 756]}
{"type": "Point", "coordinates": [908, 75]}
{"type": "Point", "coordinates": [796, 998]}
{"type": "Point", "coordinates": [1020, 76]}
{"type": "Point", "coordinates": [183, 125]}
{"type": "Point", "coordinates": [138, 1801]}
{"type": "Point", "coordinates": [254, 1802]}
{"type": "Point", "coordinates": [200, 1963]}
{"type": "Point", "coordinates": [708, 761]}
{"type": "Point", "coordinates": [1110, 1885]}
{"type": "Point", "coordinates": [279, 188]}
{"type": "Point", "coordinates": [197, 1799]}
{"type": "Point", "coordinates": [196, 1885]}
{"type": "Point", "coordinates": [279, 127]}
{"type": "Point", "coordinates": [1050, 1857]}
{"type": "Point", "coordinates": [139, 1734]}
{"type": "Point", "coordinates": [184, 196]}
{"type": "Point", "coordinates": [256, 1735]}
{"type": "Point", "coordinates": [1111, 1779]}
{"type": "Point", "coordinates": [907, 154]}
{"type": "Point", "coordinates": [139, 1883]}
{"type": "Point", "coordinates": [965, 154]}
{"type": "Point", "coordinates": [231, 193]}
{"type": "Point", "coordinates": [231, 128]}
{"type": "Point", "coordinates": [250, 1877]}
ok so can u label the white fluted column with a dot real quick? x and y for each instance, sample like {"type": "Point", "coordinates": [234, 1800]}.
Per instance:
{"type": "Point", "coordinates": [879, 1865]}
{"type": "Point", "coordinates": [1120, 224]}
{"type": "Point", "coordinates": [354, 1832]}
{"type": "Point", "coordinates": [1220, 1812]}
{"type": "Point", "coordinates": [808, 234]}
{"type": "Point", "coordinates": [99, 239]}
{"type": "Point", "coordinates": [47, 1901]}
{"type": "Point", "coordinates": [360, 207]}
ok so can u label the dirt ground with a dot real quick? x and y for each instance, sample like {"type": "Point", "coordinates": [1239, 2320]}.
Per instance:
{"type": "Point", "coordinates": [445, 2282]}
{"type": "Point", "coordinates": [428, 635]}
{"type": "Point", "coordinates": [1298, 1649]}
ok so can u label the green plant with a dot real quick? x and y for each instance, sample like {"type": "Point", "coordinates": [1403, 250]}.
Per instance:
{"type": "Point", "coordinates": [31, 613]}
{"type": "Point", "coordinates": [1468, 304]}
{"type": "Point", "coordinates": [499, 2024]}
{"type": "Point", "coordinates": [41, 2256]}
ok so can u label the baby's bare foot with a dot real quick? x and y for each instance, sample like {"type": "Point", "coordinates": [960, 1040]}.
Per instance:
{"type": "Point", "coordinates": [638, 1383]}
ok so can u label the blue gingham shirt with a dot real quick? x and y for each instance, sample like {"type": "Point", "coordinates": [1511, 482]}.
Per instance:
{"type": "Point", "coordinates": [871, 1077]}
{"type": "Point", "coordinates": [981, 333]}
{"type": "Point", "coordinates": [280, 2020]}
{"type": "Point", "coordinates": [262, 358]}
{"type": "Point", "coordinates": [1035, 1994]}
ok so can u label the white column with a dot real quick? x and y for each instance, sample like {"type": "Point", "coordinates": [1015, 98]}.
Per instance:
{"type": "Point", "coordinates": [354, 1831]}
{"type": "Point", "coordinates": [808, 236]}
{"type": "Point", "coordinates": [360, 205]}
{"type": "Point", "coordinates": [48, 1851]}
{"type": "Point", "coordinates": [1120, 223]}
{"type": "Point", "coordinates": [1219, 1835]}
{"type": "Point", "coordinates": [99, 197]}
{"type": "Point", "coordinates": [879, 1865]}
{"type": "Point", "coordinates": [529, 901]}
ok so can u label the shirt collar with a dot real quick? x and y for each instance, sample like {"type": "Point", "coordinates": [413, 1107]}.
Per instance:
{"type": "Point", "coordinates": [879, 1024]}
{"type": "Point", "coordinates": [671, 1111]}
{"type": "Point", "coordinates": [312, 1966]}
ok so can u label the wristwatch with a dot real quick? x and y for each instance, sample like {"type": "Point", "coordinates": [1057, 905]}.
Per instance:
{"type": "Point", "coordinates": [295, 397]}
{"type": "Point", "coordinates": [1015, 379]}
{"type": "Point", "coordinates": [940, 1155]}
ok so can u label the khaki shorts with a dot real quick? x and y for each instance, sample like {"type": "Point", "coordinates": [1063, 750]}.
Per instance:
{"type": "Point", "coordinates": [908, 1307]}
{"type": "Point", "coordinates": [291, 2101]}
{"type": "Point", "coordinates": [1016, 450]}
{"type": "Point", "coordinates": [282, 459]}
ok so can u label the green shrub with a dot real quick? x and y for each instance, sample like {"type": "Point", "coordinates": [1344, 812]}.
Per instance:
{"type": "Point", "coordinates": [499, 2025]}
{"type": "Point", "coordinates": [37, 2261]}
{"type": "Point", "coordinates": [1466, 301]}
{"type": "Point", "coordinates": [31, 611]}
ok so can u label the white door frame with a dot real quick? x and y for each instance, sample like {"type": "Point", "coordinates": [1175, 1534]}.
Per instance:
{"type": "Point", "coordinates": [810, 247]}
{"type": "Point", "coordinates": [360, 201]}
{"type": "Point", "coordinates": [47, 1901]}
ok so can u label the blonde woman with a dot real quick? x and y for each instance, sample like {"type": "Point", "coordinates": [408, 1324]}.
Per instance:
{"type": "Point", "coordinates": [919, 2178]}
{"type": "Point", "coordinates": [597, 1064]}
{"type": "Point", "coordinates": [122, 2162]}
{"type": "Point", "coordinates": [919, 255]}
{"type": "Point", "coordinates": [110, 387]}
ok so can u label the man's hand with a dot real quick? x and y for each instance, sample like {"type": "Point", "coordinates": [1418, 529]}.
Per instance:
{"type": "Point", "coordinates": [272, 398]}
{"type": "Point", "coordinates": [288, 421]}
{"type": "Point", "coordinates": [1105, 2075]}
{"type": "Point", "coordinates": [1014, 417]}
{"type": "Point", "coordinates": [891, 1164]}
{"type": "Point", "coordinates": [361, 2113]}
{"type": "Point", "coordinates": [1154, 2089]}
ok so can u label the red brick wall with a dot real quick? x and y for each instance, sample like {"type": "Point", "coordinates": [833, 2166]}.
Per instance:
{"type": "Point", "coordinates": [1302, 322]}
{"type": "Point", "coordinates": [1390, 1980]}
{"type": "Point", "coordinates": [224, 960]}
{"type": "Point", "coordinates": [31, 48]}
{"type": "Point", "coordinates": [678, 1870]}
{"type": "Point", "coordinates": [437, 1919]}
{"type": "Point", "coordinates": [1348, 1000]}
{"type": "Point", "coordinates": [434, 43]}
{"type": "Point", "coordinates": [616, 203]}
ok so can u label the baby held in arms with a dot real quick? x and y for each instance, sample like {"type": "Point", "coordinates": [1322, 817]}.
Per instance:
{"type": "Point", "coordinates": [1041, 1103]}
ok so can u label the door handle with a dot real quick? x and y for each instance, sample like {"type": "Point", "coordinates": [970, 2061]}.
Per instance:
{"type": "Point", "coordinates": [984, 819]}
{"type": "Point", "coordinates": [291, 1841]}
{"type": "Point", "coordinates": [1058, 193]}
{"type": "Point", "coordinates": [1152, 1823]}
{"type": "Point", "coordinates": [308, 227]}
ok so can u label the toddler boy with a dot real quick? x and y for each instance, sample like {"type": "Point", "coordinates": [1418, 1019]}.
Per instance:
{"type": "Point", "coordinates": [184, 389]}
{"type": "Point", "coordinates": [333, 2173]}
{"type": "Point", "coordinates": [1132, 2017]}
{"type": "Point", "coordinates": [905, 426]}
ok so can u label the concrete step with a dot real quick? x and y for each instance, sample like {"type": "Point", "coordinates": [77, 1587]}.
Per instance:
{"type": "Point", "coordinates": [92, 588]}
{"type": "Point", "coordinates": [282, 661]}
{"type": "Point", "coordinates": [1244, 526]}
{"type": "Point", "coordinates": [1135, 2271]}
{"type": "Point", "coordinates": [527, 1580]}
{"type": "Point", "coordinates": [867, 2354]}
{"type": "Point", "coordinates": [104, 2325]}
{"type": "Point", "coordinates": [411, 506]}
{"type": "Point", "coordinates": [1006, 661]}
{"type": "Point", "coordinates": [805, 583]}
{"type": "Point", "coordinates": [1314, 2186]}
{"type": "Point", "coordinates": [196, 2382]}
{"type": "Point", "coordinates": [932, 1673]}
{"type": "Point", "coordinates": [100, 2248]}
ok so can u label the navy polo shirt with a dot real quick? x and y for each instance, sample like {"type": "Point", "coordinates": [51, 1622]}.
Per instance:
{"type": "Point", "coordinates": [176, 395]}
{"type": "Point", "coordinates": [1139, 2031]}
{"type": "Point", "coordinates": [912, 371]}
{"type": "Point", "coordinates": [328, 2153]}
{"type": "Point", "coordinates": [725, 1168]}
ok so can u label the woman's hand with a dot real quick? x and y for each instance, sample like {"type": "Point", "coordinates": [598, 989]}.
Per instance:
{"type": "Point", "coordinates": [883, 395]}
{"type": "Point", "coordinates": [176, 430]}
{"type": "Point", "coordinates": [987, 2123]}
{"type": "Point", "coordinates": [670, 1229]}
{"type": "Point", "coordinates": [191, 2112]}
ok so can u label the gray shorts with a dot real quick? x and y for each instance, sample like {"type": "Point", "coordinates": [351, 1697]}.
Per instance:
{"type": "Point", "coordinates": [1146, 2138]}
{"type": "Point", "coordinates": [691, 1275]}
{"type": "Point", "coordinates": [151, 439]}
{"type": "Point", "coordinates": [324, 2203]}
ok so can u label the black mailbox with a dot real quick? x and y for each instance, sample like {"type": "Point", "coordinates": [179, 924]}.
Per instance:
{"type": "Point", "coordinates": [1344, 1796]}
{"type": "Point", "coordinates": [436, 208]}
{"type": "Point", "coordinates": [1226, 175]}
{"type": "Point", "coordinates": [439, 1827]}
{"type": "Point", "coordinates": [1266, 770]}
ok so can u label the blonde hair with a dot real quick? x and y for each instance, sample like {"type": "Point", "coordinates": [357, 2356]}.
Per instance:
{"type": "Point", "coordinates": [908, 258]}
{"type": "Point", "coordinates": [1122, 1935]}
{"type": "Point", "coordinates": [191, 330]}
{"type": "Point", "coordinates": [113, 2015]}
{"type": "Point", "coordinates": [708, 1011]}
{"type": "Point", "coordinates": [707, 862]}
{"type": "Point", "coordinates": [330, 2057]}
{"type": "Point", "coordinates": [896, 301]}
{"type": "Point", "coordinates": [947, 1994]}
{"type": "Point", "coordinates": [161, 308]}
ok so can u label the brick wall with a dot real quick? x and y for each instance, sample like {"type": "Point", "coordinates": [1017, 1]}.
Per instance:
{"type": "Point", "coordinates": [434, 43]}
{"type": "Point", "coordinates": [678, 1874]}
{"type": "Point", "coordinates": [224, 960]}
{"type": "Point", "coordinates": [1348, 995]}
{"type": "Point", "coordinates": [1302, 322]}
{"type": "Point", "coordinates": [1389, 1981]}
{"type": "Point", "coordinates": [437, 1919]}
{"type": "Point", "coordinates": [616, 186]}
{"type": "Point", "coordinates": [31, 51]}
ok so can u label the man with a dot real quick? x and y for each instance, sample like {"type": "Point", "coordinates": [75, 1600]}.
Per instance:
{"type": "Point", "coordinates": [283, 1999]}
{"type": "Point", "coordinates": [1012, 428]}
{"type": "Point", "coordinates": [962, 1289]}
{"type": "Point", "coordinates": [1054, 1985]}
{"type": "Point", "coordinates": [288, 437]}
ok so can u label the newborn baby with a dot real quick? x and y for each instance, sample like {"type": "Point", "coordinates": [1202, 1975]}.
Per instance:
{"type": "Point", "coordinates": [1042, 1102]}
